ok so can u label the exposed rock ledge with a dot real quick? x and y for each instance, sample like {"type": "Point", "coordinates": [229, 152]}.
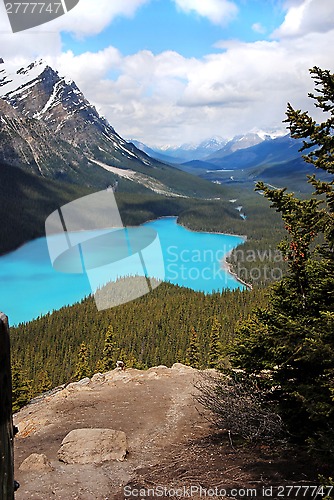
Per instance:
{"type": "Point", "coordinates": [104, 428]}
{"type": "Point", "coordinates": [169, 443]}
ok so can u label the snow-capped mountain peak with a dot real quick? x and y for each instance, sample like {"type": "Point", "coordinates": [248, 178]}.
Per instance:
{"type": "Point", "coordinates": [12, 83]}
{"type": "Point", "coordinates": [269, 134]}
{"type": "Point", "coordinates": [213, 143]}
{"type": "Point", "coordinates": [37, 93]}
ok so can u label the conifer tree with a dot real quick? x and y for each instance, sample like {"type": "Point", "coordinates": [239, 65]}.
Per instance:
{"type": "Point", "coordinates": [109, 350]}
{"type": "Point", "coordinates": [193, 351]}
{"type": "Point", "coordinates": [43, 382]}
{"type": "Point", "coordinates": [294, 336]}
{"type": "Point", "coordinates": [21, 388]}
{"type": "Point", "coordinates": [82, 367]}
{"type": "Point", "coordinates": [214, 353]}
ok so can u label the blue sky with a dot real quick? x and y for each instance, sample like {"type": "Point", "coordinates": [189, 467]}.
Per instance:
{"type": "Point", "coordinates": [175, 71]}
{"type": "Point", "coordinates": [160, 26]}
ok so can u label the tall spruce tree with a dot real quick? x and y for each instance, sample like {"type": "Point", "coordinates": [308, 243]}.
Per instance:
{"type": "Point", "coordinates": [215, 347]}
{"type": "Point", "coordinates": [82, 369]}
{"type": "Point", "coordinates": [43, 382]}
{"type": "Point", "coordinates": [193, 351]}
{"type": "Point", "coordinates": [294, 336]}
{"type": "Point", "coordinates": [21, 388]}
{"type": "Point", "coordinates": [109, 350]}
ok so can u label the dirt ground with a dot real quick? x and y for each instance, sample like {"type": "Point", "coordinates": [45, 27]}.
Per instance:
{"type": "Point", "coordinates": [172, 451]}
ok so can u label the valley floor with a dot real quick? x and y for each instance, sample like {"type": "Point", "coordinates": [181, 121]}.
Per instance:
{"type": "Point", "coordinates": [171, 447]}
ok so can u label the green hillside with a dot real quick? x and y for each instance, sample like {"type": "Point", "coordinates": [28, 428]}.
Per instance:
{"type": "Point", "coordinates": [26, 201]}
{"type": "Point", "coordinates": [152, 330]}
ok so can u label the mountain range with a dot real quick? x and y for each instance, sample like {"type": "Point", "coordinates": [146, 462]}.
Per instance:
{"type": "Point", "coordinates": [49, 128]}
{"type": "Point", "coordinates": [277, 161]}
{"type": "Point", "coordinates": [208, 149]}
{"type": "Point", "coordinates": [245, 159]}
{"type": "Point", "coordinates": [55, 147]}
{"type": "Point", "coordinates": [185, 152]}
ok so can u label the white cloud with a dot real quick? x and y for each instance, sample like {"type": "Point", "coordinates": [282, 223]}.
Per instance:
{"type": "Point", "coordinates": [86, 19]}
{"type": "Point", "coordinates": [306, 16]}
{"type": "Point", "coordinates": [167, 98]}
{"type": "Point", "coordinates": [90, 17]}
{"type": "Point", "coordinates": [217, 11]}
{"type": "Point", "coordinates": [21, 48]}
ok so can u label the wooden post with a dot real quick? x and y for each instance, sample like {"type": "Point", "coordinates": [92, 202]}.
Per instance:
{"type": "Point", "coordinates": [6, 421]}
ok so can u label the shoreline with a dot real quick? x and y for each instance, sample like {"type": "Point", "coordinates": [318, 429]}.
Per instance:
{"type": "Point", "coordinates": [229, 268]}
{"type": "Point", "coordinates": [225, 264]}
{"type": "Point", "coordinates": [243, 236]}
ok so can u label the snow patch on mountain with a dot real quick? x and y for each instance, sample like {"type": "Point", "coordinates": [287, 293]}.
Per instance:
{"type": "Point", "coordinates": [269, 134]}
{"type": "Point", "coordinates": [24, 78]}
{"type": "Point", "coordinates": [51, 102]}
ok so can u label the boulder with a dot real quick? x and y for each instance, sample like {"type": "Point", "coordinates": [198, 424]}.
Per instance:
{"type": "Point", "coordinates": [79, 386]}
{"type": "Point", "coordinates": [181, 367]}
{"type": "Point", "coordinates": [98, 378]}
{"type": "Point", "coordinates": [87, 446]}
{"type": "Point", "coordinates": [35, 462]}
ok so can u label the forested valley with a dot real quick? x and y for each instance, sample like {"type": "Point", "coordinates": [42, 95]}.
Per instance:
{"type": "Point", "coordinates": [152, 330]}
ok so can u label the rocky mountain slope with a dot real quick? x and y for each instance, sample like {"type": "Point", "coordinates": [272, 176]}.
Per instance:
{"type": "Point", "coordinates": [167, 444]}
{"type": "Point", "coordinates": [48, 127]}
{"type": "Point", "coordinates": [40, 94]}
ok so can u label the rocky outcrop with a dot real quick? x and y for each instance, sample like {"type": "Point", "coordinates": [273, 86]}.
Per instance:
{"type": "Point", "coordinates": [153, 408]}
{"type": "Point", "coordinates": [86, 446]}
{"type": "Point", "coordinates": [36, 463]}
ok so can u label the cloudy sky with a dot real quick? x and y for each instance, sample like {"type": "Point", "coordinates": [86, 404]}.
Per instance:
{"type": "Point", "coordinates": [175, 71]}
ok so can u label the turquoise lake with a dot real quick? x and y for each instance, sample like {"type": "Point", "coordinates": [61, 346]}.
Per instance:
{"type": "Point", "coordinates": [31, 287]}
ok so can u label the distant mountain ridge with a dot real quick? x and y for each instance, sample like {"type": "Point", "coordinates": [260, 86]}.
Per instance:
{"type": "Point", "coordinates": [278, 161]}
{"type": "Point", "coordinates": [165, 158]}
{"type": "Point", "coordinates": [209, 149]}
{"type": "Point", "coordinates": [185, 152]}
{"type": "Point", "coordinates": [273, 157]}
{"type": "Point", "coordinates": [266, 152]}
{"type": "Point", "coordinates": [238, 142]}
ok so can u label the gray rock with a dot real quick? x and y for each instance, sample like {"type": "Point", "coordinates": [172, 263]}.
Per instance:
{"type": "Point", "coordinates": [78, 386]}
{"type": "Point", "coordinates": [98, 378]}
{"type": "Point", "coordinates": [84, 381]}
{"type": "Point", "coordinates": [181, 367]}
{"type": "Point", "coordinates": [86, 446]}
{"type": "Point", "coordinates": [36, 462]}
